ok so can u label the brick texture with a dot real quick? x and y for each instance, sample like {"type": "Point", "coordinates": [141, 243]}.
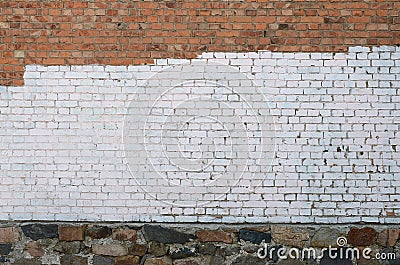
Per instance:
{"type": "Point", "coordinates": [136, 32]}
{"type": "Point", "coordinates": [335, 120]}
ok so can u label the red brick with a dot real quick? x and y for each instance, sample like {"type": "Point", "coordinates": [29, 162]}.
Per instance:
{"type": "Point", "coordinates": [214, 236]}
{"type": "Point", "coordinates": [362, 237]}
{"type": "Point", "coordinates": [74, 24]}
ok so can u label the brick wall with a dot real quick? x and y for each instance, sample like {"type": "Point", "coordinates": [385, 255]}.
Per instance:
{"type": "Point", "coordinates": [200, 111]}
{"type": "Point", "coordinates": [126, 33]}
{"type": "Point", "coordinates": [229, 137]}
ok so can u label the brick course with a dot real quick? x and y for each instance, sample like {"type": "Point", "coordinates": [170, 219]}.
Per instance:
{"type": "Point", "coordinates": [136, 32]}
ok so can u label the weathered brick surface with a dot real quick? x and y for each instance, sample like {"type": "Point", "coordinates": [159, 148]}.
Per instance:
{"type": "Point", "coordinates": [9, 234]}
{"type": "Point", "coordinates": [158, 261]}
{"type": "Point", "coordinates": [73, 260]}
{"type": "Point", "coordinates": [214, 236]}
{"type": "Point", "coordinates": [127, 260]}
{"type": "Point", "coordinates": [125, 234]}
{"type": "Point", "coordinates": [71, 233]}
{"type": "Point", "coordinates": [34, 249]}
{"type": "Point", "coordinates": [124, 33]}
{"type": "Point", "coordinates": [113, 249]}
{"type": "Point", "coordinates": [388, 237]}
{"type": "Point", "coordinates": [362, 237]}
{"type": "Point", "coordinates": [336, 137]}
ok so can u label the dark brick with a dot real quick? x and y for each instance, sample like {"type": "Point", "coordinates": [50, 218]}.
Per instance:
{"type": "Point", "coordinates": [207, 249]}
{"type": "Point", "coordinates": [165, 235]}
{"type": "Point", "coordinates": [73, 260]}
{"type": "Point", "coordinates": [184, 252]}
{"type": "Point", "coordinates": [215, 260]}
{"type": "Point", "coordinates": [5, 249]}
{"type": "Point", "coordinates": [290, 262]}
{"type": "Point", "coordinates": [139, 250]}
{"type": "Point", "coordinates": [98, 232]}
{"type": "Point", "coordinates": [68, 247]}
{"type": "Point", "coordinates": [248, 260]}
{"type": "Point", "coordinates": [158, 249]}
{"type": "Point", "coordinates": [100, 260]}
{"type": "Point", "coordinates": [254, 237]}
{"type": "Point", "coordinates": [40, 231]}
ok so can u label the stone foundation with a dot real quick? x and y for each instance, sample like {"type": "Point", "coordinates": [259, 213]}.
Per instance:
{"type": "Point", "coordinates": [180, 244]}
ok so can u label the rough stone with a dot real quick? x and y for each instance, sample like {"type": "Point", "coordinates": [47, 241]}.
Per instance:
{"type": "Point", "coordinates": [254, 237]}
{"type": "Point", "coordinates": [127, 260]}
{"type": "Point", "coordinates": [27, 262]}
{"type": "Point", "coordinates": [189, 261]}
{"type": "Point", "coordinates": [312, 262]}
{"type": "Point", "coordinates": [113, 250]}
{"type": "Point", "coordinates": [40, 231]}
{"type": "Point", "coordinates": [73, 247]}
{"type": "Point", "coordinates": [215, 260]}
{"type": "Point", "coordinates": [5, 249]}
{"type": "Point", "coordinates": [289, 262]}
{"type": "Point", "coordinates": [34, 249]}
{"type": "Point", "coordinates": [165, 235]}
{"type": "Point", "coordinates": [388, 237]}
{"type": "Point", "coordinates": [325, 237]}
{"type": "Point", "coordinates": [139, 250]}
{"type": "Point", "coordinates": [71, 233]}
{"type": "Point", "coordinates": [9, 234]}
{"type": "Point", "coordinates": [272, 253]}
{"type": "Point", "coordinates": [207, 249]}
{"type": "Point", "coordinates": [363, 261]}
{"type": "Point", "coordinates": [158, 249]}
{"type": "Point", "coordinates": [214, 236]}
{"type": "Point", "coordinates": [98, 232]}
{"type": "Point", "coordinates": [251, 248]}
{"type": "Point", "coordinates": [289, 236]}
{"type": "Point", "coordinates": [184, 252]}
{"type": "Point", "coordinates": [247, 260]}
{"type": "Point", "coordinates": [230, 250]}
{"type": "Point", "coordinates": [326, 260]}
{"type": "Point", "coordinates": [394, 261]}
{"type": "Point", "coordinates": [261, 229]}
{"type": "Point", "coordinates": [125, 235]}
{"type": "Point", "coordinates": [362, 237]}
{"type": "Point", "coordinates": [158, 261]}
{"type": "Point", "coordinates": [73, 260]}
{"type": "Point", "coordinates": [99, 260]}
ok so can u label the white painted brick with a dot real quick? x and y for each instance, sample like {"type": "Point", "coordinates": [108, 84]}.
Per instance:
{"type": "Point", "coordinates": [74, 117]}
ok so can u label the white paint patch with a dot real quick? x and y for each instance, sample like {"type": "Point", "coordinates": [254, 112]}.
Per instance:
{"type": "Point", "coordinates": [336, 137]}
